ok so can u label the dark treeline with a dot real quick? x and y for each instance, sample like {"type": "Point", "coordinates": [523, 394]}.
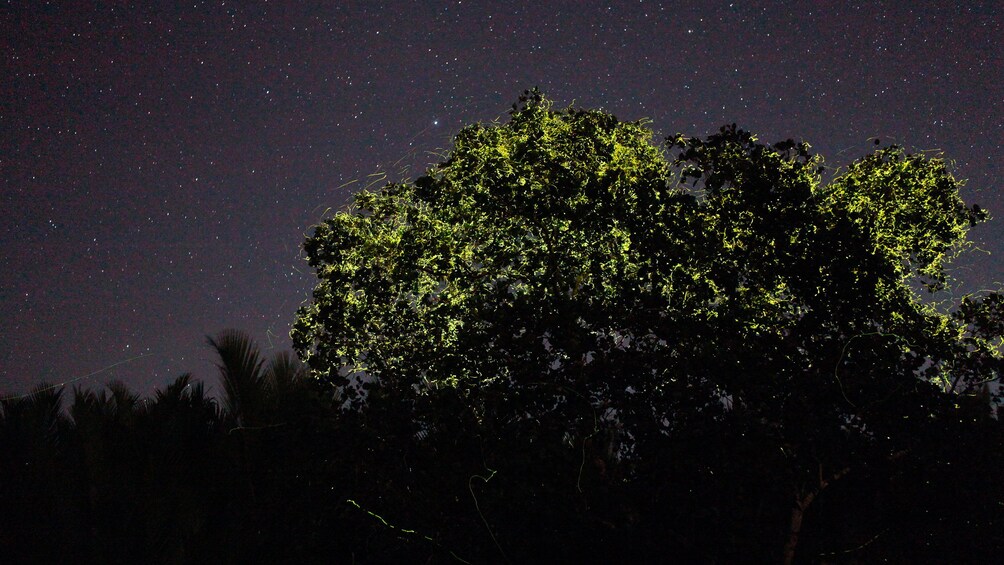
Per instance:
{"type": "Point", "coordinates": [274, 474]}
{"type": "Point", "coordinates": [107, 477]}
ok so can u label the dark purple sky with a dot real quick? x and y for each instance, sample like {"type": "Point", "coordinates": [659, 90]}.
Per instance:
{"type": "Point", "coordinates": [160, 166]}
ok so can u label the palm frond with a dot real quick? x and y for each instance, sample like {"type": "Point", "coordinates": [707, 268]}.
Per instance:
{"type": "Point", "coordinates": [241, 373]}
{"type": "Point", "coordinates": [39, 412]}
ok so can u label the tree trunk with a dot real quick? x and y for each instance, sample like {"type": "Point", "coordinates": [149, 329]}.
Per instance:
{"type": "Point", "coordinates": [802, 501]}
{"type": "Point", "coordinates": [795, 525]}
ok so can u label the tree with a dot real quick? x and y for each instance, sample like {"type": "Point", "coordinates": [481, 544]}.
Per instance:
{"type": "Point", "coordinates": [31, 433]}
{"type": "Point", "coordinates": [578, 302]}
{"type": "Point", "coordinates": [185, 462]}
{"type": "Point", "coordinates": [106, 457]}
{"type": "Point", "coordinates": [256, 393]}
{"type": "Point", "coordinates": [269, 416]}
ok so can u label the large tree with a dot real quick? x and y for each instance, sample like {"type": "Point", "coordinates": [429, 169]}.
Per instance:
{"type": "Point", "coordinates": [636, 316]}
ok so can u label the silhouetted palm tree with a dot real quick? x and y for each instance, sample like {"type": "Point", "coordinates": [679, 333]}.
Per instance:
{"type": "Point", "coordinates": [31, 441]}
{"type": "Point", "coordinates": [33, 420]}
{"type": "Point", "coordinates": [289, 388]}
{"type": "Point", "coordinates": [245, 393]}
{"type": "Point", "coordinates": [185, 406]}
{"type": "Point", "coordinates": [182, 491]}
{"type": "Point", "coordinates": [265, 401]}
{"type": "Point", "coordinates": [109, 455]}
{"type": "Point", "coordinates": [258, 392]}
{"type": "Point", "coordinates": [115, 406]}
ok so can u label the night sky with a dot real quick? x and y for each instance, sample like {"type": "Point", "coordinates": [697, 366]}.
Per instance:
{"type": "Point", "coordinates": [160, 166]}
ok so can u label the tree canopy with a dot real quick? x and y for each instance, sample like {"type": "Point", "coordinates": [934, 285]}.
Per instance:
{"type": "Point", "coordinates": [628, 318]}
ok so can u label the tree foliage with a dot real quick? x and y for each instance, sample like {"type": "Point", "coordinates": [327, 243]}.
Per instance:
{"type": "Point", "coordinates": [564, 288]}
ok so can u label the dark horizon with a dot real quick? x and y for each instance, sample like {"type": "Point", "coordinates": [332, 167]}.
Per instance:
{"type": "Point", "coordinates": [162, 165]}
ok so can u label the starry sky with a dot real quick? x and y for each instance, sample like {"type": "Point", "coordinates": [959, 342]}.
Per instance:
{"type": "Point", "coordinates": [162, 162]}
